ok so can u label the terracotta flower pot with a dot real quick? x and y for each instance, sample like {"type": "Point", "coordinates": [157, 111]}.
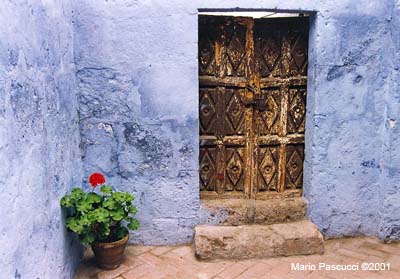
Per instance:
{"type": "Point", "coordinates": [109, 255]}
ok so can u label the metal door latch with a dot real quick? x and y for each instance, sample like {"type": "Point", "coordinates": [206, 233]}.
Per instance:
{"type": "Point", "coordinates": [255, 98]}
{"type": "Point", "coordinates": [259, 103]}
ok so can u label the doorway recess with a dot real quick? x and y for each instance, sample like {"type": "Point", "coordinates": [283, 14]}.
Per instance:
{"type": "Point", "coordinates": [252, 96]}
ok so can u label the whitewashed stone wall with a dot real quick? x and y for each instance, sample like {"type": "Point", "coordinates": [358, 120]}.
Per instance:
{"type": "Point", "coordinates": [39, 139]}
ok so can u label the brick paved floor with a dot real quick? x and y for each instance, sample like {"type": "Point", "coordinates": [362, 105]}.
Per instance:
{"type": "Point", "coordinates": [165, 262]}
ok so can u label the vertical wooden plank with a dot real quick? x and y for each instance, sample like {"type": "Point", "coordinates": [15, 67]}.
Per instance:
{"type": "Point", "coordinates": [219, 49]}
{"type": "Point", "coordinates": [285, 50]}
{"type": "Point", "coordinates": [251, 164]}
{"type": "Point", "coordinates": [220, 146]}
{"type": "Point", "coordinates": [220, 169]}
{"type": "Point", "coordinates": [283, 133]}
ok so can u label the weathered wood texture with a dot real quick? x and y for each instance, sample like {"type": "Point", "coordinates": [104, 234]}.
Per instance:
{"type": "Point", "coordinates": [253, 86]}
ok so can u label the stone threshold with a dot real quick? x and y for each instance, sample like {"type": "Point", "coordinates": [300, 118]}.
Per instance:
{"type": "Point", "coordinates": [237, 212]}
{"type": "Point", "coordinates": [257, 241]}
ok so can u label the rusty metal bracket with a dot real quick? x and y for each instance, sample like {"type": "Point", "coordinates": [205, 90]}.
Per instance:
{"type": "Point", "coordinates": [260, 103]}
{"type": "Point", "coordinates": [254, 98]}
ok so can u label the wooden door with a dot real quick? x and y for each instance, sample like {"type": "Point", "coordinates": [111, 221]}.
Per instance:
{"type": "Point", "coordinates": [252, 99]}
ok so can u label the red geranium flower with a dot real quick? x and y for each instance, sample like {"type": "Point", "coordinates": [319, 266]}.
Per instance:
{"type": "Point", "coordinates": [96, 179]}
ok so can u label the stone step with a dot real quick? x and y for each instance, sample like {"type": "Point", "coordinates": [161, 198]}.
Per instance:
{"type": "Point", "coordinates": [257, 241]}
{"type": "Point", "coordinates": [237, 212]}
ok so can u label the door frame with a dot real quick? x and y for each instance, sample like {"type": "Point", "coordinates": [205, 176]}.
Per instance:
{"type": "Point", "coordinates": [309, 108]}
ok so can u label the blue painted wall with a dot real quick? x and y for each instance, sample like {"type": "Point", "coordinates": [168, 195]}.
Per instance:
{"type": "Point", "coordinates": [138, 90]}
{"type": "Point", "coordinates": [351, 173]}
{"type": "Point", "coordinates": [129, 68]}
{"type": "Point", "coordinates": [39, 139]}
{"type": "Point", "coordinates": [133, 65]}
{"type": "Point", "coordinates": [390, 188]}
{"type": "Point", "coordinates": [137, 76]}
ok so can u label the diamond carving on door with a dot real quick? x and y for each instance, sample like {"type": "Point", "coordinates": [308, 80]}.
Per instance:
{"type": "Point", "coordinates": [252, 106]}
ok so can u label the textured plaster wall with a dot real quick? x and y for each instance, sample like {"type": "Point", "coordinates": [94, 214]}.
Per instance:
{"type": "Point", "coordinates": [345, 131]}
{"type": "Point", "coordinates": [390, 192]}
{"type": "Point", "coordinates": [39, 138]}
{"type": "Point", "coordinates": [137, 73]}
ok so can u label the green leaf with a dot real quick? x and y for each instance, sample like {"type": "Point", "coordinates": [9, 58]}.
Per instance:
{"type": "Point", "coordinates": [66, 201]}
{"type": "Point", "coordinates": [106, 189]}
{"type": "Point", "coordinates": [84, 206]}
{"type": "Point", "coordinates": [134, 224]}
{"type": "Point", "coordinates": [74, 225]}
{"type": "Point", "coordinates": [119, 197]}
{"type": "Point", "coordinates": [84, 220]}
{"type": "Point", "coordinates": [101, 215]}
{"type": "Point", "coordinates": [105, 229]}
{"type": "Point", "coordinates": [93, 198]}
{"type": "Point", "coordinates": [91, 216]}
{"type": "Point", "coordinates": [110, 204]}
{"type": "Point", "coordinates": [117, 215]}
{"type": "Point", "coordinates": [132, 209]}
{"type": "Point", "coordinates": [71, 199]}
{"type": "Point", "coordinates": [77, 193]}
{"type": "Point", "coordinates": [129, 197]}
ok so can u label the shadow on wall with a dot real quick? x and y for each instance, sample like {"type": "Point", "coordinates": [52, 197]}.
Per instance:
{"type": "Point", "coordinates": [39, 139]}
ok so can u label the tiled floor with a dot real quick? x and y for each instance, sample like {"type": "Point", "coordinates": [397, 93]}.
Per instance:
{"type": "Point", "coordinates": [179, 262]}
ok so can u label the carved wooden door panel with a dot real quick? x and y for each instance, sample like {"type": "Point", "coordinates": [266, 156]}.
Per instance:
{"type": "Point", "coordinates": [252, 76]}
{"type": "Point", "coordinates": [224, 118]}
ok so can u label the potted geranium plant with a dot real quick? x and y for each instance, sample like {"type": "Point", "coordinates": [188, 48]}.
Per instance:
{"type": "Point", "coordinates": [101, 220]}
